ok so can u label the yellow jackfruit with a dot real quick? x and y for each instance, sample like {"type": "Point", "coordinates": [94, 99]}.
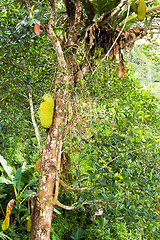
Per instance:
{"type": "Point", "coordinates": [46, 111]}
{"type": "Point", "coordinates": [28, 223]}
{"type": "Point", "coordinates": [141, 12]}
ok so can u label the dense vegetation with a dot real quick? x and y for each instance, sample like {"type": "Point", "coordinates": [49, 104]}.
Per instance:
{"type": "Point", "coordinates": [111, 147]}
{"type": "Point", "coordinates": [113, 143]}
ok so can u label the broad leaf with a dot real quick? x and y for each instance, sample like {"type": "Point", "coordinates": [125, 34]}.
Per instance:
{"type": "Point", "coordinates": [5, 180]}
{"type": "Point", "coordinates": [7, 169]}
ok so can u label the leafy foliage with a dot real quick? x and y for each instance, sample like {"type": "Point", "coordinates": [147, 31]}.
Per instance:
{"type": "Point", "coordinates": [114, 137]}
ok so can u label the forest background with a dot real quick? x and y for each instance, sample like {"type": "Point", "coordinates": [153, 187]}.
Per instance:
{"type": "Point", "coordinates": [110, 159]}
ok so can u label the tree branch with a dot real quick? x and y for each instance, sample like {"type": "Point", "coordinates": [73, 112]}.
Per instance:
{"type": "Point", "coordinates": [57, 45]}
{"type": "Point", "coordinates": [33, 119]}
{"type": "Point", "coordinates": [73, 206]}
{"type": "Point", "coordinates": [28, 5]}
{"type": "Point", "coordinates": [78, 12]}
{"type": "Point", "coordinates": [73, 189]}
{"type": "Point", "coordinates": [64, 206]}
{"type": "Point", "coordinates": [153, 10]}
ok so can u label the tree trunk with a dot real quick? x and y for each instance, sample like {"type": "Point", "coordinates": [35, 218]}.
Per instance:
{"type": "Point", "coordinates": [50, 168]}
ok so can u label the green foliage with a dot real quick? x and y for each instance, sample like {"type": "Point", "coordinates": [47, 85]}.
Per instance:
{"type": "Point", "coordinates": [98, 7]}
{"type": "Point", "coordinates": [77, 233]}
{"type": "Point", "coordinates": [21, 190]}
{"type": "Point", "coordinates": [114, 143]}
{"type": "Point", "coordinates": [118, 154]}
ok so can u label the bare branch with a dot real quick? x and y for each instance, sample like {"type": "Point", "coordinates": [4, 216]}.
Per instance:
{"type": "Point", "coordinates": [73, 189]}
{"type": "Point", "coordinates": [57, 45]}
{"type": "Point", "coordinates": [74, 205]}
{"type": "Point", "coordinates": [64, 206]}
{"type": "Point", "coordinates": [33, 119]}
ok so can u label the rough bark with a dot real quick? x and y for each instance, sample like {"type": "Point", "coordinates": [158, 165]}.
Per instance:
{"type": "Point", "coordinates": [46, 196]}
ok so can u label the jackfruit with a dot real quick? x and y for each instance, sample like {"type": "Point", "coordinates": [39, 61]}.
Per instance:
{"type": "Point", "coordinates": [28, 223]}
{"type": "Point", "coordinates": [141, 10]}
{"type": "Point", "coordinates": [135, 7]}
{"type": "Point", "coordinates": [46, 111]}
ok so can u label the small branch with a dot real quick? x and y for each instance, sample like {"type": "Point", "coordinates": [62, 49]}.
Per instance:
{"type": "Point", "coordinates": [28, 5]}
{"type": "Point", "coordinates": [33, 119]}
{"type": "Point", "coordinates": [73, 189]}
{"type": "Point", "coordinates": [64, 206]}
{"type": "Point", "coordinates": [57, 45]}
{"type": "Point", "coordinates": [148, 25]}
{"type": "Point", "coordinates": [74, 205]}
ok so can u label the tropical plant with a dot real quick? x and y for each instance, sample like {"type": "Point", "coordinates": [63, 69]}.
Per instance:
{"type": "Point", "coordinates": [21, 193]}
{"type": "Point", "coordinates": [81, 32]}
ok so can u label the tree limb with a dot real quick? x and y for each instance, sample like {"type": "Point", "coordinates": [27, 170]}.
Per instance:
{"type": "Point", "coordinates": [153, 10]}
{"type": "Point", "coordinates": [33, 119]}
{"type": "Point", "coordinates": [115, 41]}
{"type": "Point", "coordinates": [135, 150]}
{"type": "Point", "coordinates": [73, 189]}
{"type": "Point", "coordinates": [73, 206]}
{"type": "Point", "coordinates": [78, 12]}
{"type": "Point", "coordinates": [64, 206]}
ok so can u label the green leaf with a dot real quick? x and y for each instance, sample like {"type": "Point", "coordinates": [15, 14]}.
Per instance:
{"type": "Point", "coordinates": [5, 180]}
{"type": "Point", "coordinates": [77, 233]}
{"type": "Point", "coordinates": [75, 183]}
{"type": "Point", "coordinates": [7, 169]}
{"type": "Point", "coordinates": [18, 177]}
